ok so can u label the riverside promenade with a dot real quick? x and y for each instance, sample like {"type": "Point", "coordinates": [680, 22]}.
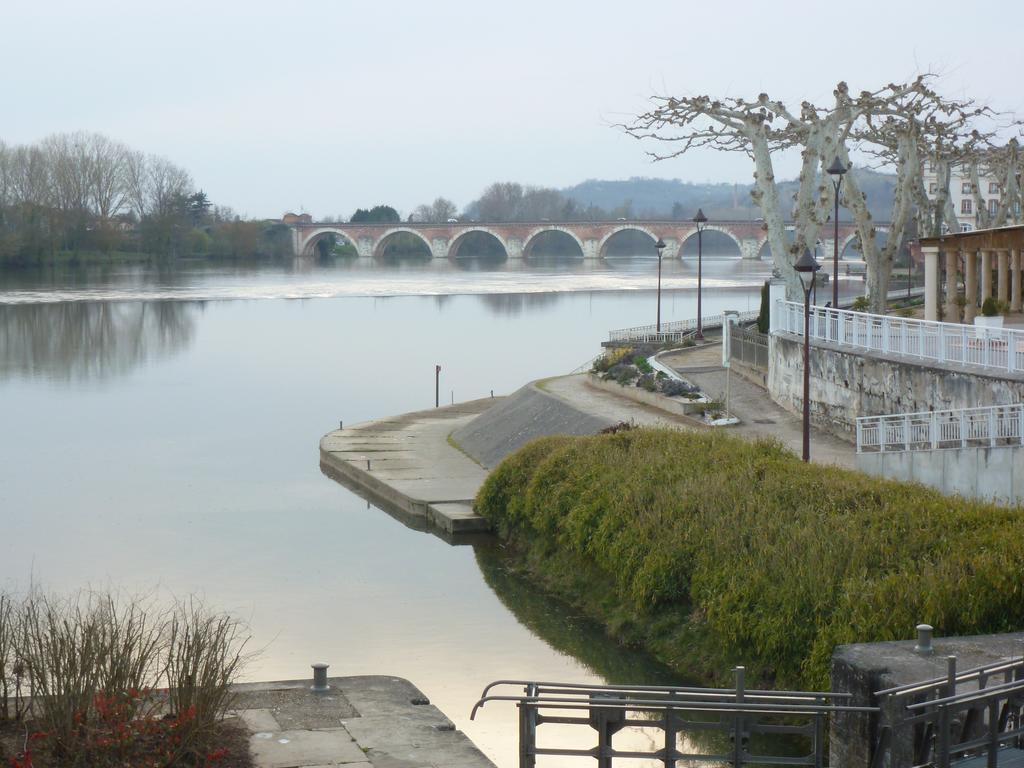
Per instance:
{"type": "Point", "coordinates": [426, 467]}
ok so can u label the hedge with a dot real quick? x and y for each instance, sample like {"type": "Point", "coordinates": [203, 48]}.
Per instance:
{"type": "Point", "coordinates": [711, 550]}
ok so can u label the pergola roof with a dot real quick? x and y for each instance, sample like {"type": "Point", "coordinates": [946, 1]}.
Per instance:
{"type": "Point", "coordinates": [1000, 238]}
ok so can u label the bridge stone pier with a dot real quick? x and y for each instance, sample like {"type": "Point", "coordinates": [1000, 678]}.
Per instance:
{"type": "Point", "coordinates": [518, 239]}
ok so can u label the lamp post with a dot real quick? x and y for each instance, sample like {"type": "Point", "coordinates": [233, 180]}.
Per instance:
{"type": "Point", "coordinates": [807, 265]}
{"type": "Point", "coordinates": [659, 247]}
{"type": "Point", "coordinates": [836, 171]}
{"type": "Point", "coordinates": [700, 220]}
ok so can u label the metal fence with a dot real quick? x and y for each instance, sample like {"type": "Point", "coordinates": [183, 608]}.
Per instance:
{"type": "Point", "coordinates": [715, 725]}
{"type": "Point", "coordinates": [749, 346]}
{"type": "Point", "coordinates": [997, 425]}
{"type": "Point", "coordinates": [677, 330]}
{"type": "Point", "coordinates": [947, 344]}
{"type": "Point", "coordinates": [969, 718]}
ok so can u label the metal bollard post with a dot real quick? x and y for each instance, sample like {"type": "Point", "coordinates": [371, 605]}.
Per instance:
{"type": "Point", "coordinates": [341, 424]}
{"type": "Point", "coordinates": [924, 640]}
{"type": "Point", "coordinates": [320, 678]}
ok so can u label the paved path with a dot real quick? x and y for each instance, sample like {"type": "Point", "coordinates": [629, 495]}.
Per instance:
{"type": "Point", "coordinates": [360, 722]}
{"type": "Point", "coordinates": [408, 462]}
{"type": "Point", "coordinates": [759, 415]}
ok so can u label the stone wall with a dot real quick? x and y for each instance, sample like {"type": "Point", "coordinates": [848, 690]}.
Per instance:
{"type": "Point", "coordinates": [845, 385]}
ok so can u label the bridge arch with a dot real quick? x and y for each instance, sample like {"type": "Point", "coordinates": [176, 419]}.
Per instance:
{"type": "Point", "coordinates": [601, 247]}
{"type": "Point", "coordinates": [456, 244]}
{"type": "Point", "coordinates": [712, 228]}
{"type": "Point", "coordinates": [309, 246]}
{"type": "Point", "coordinates": [380, 246]}
{"type": "Point", "coordinates": [530, 241]}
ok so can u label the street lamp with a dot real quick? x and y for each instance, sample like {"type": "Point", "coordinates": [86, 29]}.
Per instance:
{"type": "Point", "coordinates": [807, 265]}
{"type": "Point", "coordinates": [700, 220]}
{"type": "Point", "coordinates": [659, 246]}
{"type": "Point", "coordinates": [836, 171]}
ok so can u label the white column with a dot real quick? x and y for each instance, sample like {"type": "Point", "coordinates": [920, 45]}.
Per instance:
{"type": "Point", "coordinates": [776, 293]}
{"type": "Point", "coordinates": [952, 314]}
{"type": "Point", "coordinates": [1015, 303]}
{"type": "Point", "coordinates": [986, 275]}
{"type": "Point", "coordinates": [970, 285]}
{"type": "Point", "coordinates": [931, 282]}
{"type": "Point", "coordinates": [1003, 280]}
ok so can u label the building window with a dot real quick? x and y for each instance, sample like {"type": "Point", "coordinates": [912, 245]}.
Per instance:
{"type": "Point", "coordinates": [929, 167]}
{"type": "Point", "coordinates": [965, 227]}
{"type": "Point", "coordinates": [966, 206]}
{"type": "Point", "coordinates": [993, 188]}
{"type": "Point", "coordinates": [993, 207]}
{"type": "Point", "coordinates": [933, 188]}
{"type": "Point", "coordinates": [966, 188]}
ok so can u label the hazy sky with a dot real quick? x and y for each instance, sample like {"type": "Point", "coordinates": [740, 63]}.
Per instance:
{"type": "Point", "coordinates": [327, 106]}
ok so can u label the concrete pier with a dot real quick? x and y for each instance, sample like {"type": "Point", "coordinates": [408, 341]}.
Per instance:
{"type": "Point", "coordinates": [358, 722]}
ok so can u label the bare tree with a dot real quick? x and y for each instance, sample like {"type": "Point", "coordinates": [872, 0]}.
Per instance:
{"type": "Point", "coordinates": [107, 181]}
{"type": "Point", "coordinates": [760, 128]}
{"type": "Point", "coordinates": [891, 122]}
{"type": "Point", "coordinates": [440, 210]}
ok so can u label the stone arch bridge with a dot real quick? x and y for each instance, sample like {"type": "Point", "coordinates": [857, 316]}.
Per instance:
{"type": "Point", "coordinates": [444, 241]}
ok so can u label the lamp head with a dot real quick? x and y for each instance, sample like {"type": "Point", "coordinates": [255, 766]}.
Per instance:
{"type": "Point", "coordinates": [837, 168]}
{"type": "Point", "coordinates": [660, 246]}
{"type": "Point", "coordinates": [700, 218]}
{"type": "Point", "coordinates": [807, 263]}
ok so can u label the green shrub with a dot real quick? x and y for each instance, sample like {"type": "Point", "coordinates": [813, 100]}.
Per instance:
{"type": "Point", "coordinates": [712, 550]}
{"type": "Point", "coordinates": [860, 304]}
{"type": "Point", "coordinates": [642, 365]}
{"type": "Point", "coordinates": [989, 307]}
{"type": "Point", "coordinates": [648, 382]}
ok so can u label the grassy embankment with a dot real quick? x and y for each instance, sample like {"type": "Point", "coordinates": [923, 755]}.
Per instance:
{"type": "Point", "coordinates": [710, 551]}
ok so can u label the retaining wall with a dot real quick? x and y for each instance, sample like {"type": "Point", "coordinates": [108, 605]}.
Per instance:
{"type": "Point", "coordinates": [845, 385]}
{"type": "Point", "coordinates": [987, 473]}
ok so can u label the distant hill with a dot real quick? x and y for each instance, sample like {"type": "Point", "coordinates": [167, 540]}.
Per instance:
{"type": "Point", "coordinates": [672, 198]}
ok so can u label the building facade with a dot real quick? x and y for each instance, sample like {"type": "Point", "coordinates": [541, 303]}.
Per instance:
{"type": "Point", "coordinates": [961, 193]}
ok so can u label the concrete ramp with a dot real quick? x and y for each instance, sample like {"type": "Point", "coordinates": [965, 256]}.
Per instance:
{"type": "Point", "coordinates": [526, 414]}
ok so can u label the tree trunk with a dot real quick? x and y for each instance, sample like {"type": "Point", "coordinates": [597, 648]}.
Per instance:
{"type": "Point", "coordinates": [767, 197]}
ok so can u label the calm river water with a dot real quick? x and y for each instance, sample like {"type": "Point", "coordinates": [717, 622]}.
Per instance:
{"type": "Point", "coordinates": [160, 430]}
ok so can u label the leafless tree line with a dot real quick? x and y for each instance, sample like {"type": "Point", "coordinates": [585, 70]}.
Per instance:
{"type": "Point", "coordinates": [68, 184]}
{"type": "Point", "coordinates": [897, 127]}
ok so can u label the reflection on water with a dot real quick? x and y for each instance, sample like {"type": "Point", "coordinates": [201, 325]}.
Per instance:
{"type": "Point", "coordinates": [198, 470]}
{"type": "Point", "coordinates": [564, 629]}
{"type": "Point", "coordinates": [90, 340]}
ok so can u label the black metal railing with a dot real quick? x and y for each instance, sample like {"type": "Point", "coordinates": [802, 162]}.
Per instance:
{"type": "Point", "coordinates": [695, 724]}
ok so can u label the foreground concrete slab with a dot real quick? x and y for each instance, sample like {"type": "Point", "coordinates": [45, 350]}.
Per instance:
{"type": "Point", "coordinates": [378, 721]}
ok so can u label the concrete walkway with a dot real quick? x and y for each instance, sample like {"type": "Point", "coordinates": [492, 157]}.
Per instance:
{"type": "Point", "coordinates": [759, 415]}
{"type": "Point", "coordinates": [360, 722]}
{"type": "Point", "coordinates": [408, 463]}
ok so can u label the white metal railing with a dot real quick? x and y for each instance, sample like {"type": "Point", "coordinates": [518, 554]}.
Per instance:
{"type": "Point", "coordinates": [996, 425]}
{"type": "Point", "coordinates": [947, 344]}
{"type": "Point", "coordinates": [676, 330]}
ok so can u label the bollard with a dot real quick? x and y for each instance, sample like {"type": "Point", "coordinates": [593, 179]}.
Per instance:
{"type": "Point", "coordinates": [341, 425]}
{"type": "Point", "coordinates": [924, 640]}
{"type": "Point", "coordinates": [367, 465]}
{"type": "Point", "coordinates": [320, 678]}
